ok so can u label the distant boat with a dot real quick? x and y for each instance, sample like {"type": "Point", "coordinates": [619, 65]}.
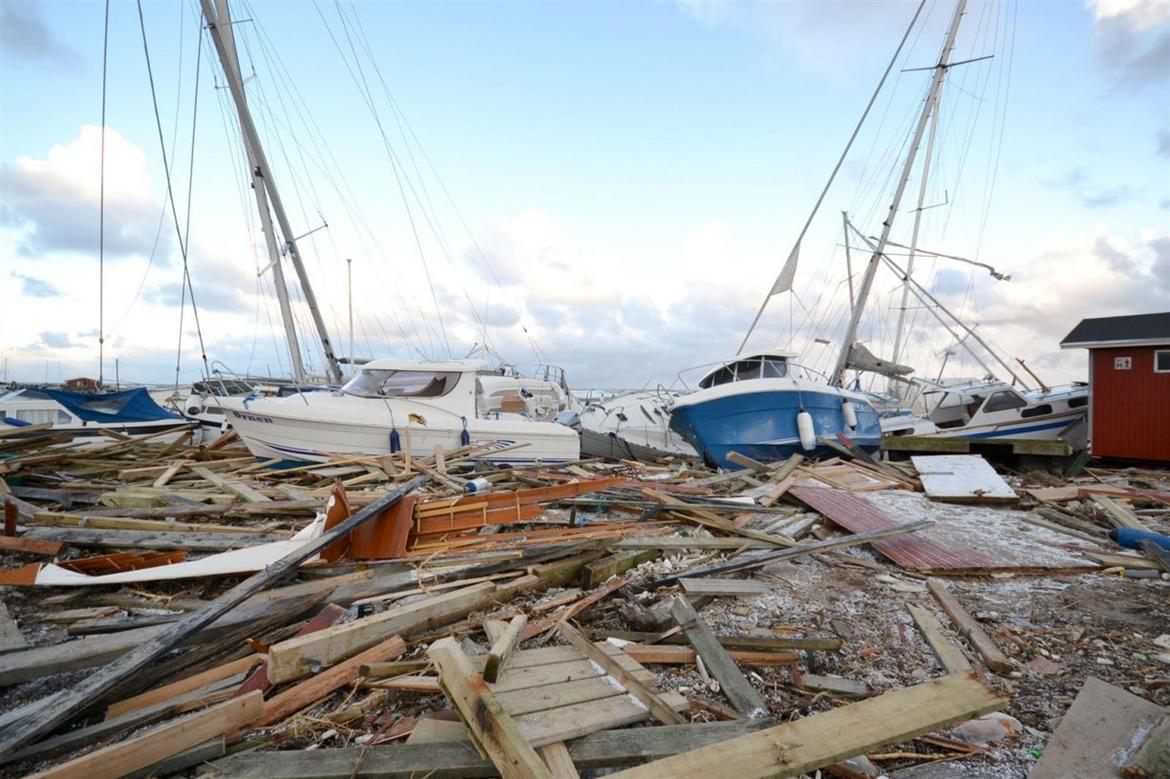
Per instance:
{"type": "Point", "coordinates": [392, 405]}
{"type": "Point", "coordinates": [766, 407]}
{"type": "Point", "coordinates": [86, 414]}
{"type": "Point", "coordinates": [995, 409]}
{"type": "Point", "coordinates": [631, 425]}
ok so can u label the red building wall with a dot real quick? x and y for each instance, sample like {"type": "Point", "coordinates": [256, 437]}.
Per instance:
{"type": "Point", "coordinates": [1130, 408]}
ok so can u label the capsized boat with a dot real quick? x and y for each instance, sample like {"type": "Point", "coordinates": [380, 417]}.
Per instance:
{"type": "Point", "coordinates": [767, 407]}
{"type": "Point", "coordinates": [994, 409]}
{"type": "Point", "coordinates": [390, 405]}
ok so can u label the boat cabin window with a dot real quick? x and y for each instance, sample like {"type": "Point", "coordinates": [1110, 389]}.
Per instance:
{"type": "Point", "coordinates": [401, 384]}
{"type": "Point", "coordinates": [764, 367]}
{"type": "Point", "coordinates": [1003, 401]}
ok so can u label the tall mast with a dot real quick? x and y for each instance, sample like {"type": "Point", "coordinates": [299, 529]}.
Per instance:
{"type": "Point", "coordinates": [940, 71]}
{"type": "Point", "coordinates": [914, 233]}
{"type": "Point", "coordinates": [263, 173]}
{"type": "Point", "coordinates": [232, 71]}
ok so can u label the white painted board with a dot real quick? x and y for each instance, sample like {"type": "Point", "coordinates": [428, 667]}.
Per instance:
{"type": "Point", "coordinates": [962, 478]}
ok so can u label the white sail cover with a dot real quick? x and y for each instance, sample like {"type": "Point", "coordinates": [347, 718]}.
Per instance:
{"type": "Point", "coordinates": [862, 359]}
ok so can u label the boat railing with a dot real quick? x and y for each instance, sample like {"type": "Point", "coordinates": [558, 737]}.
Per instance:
{"type": "Point", "coordinates": [708, 366]}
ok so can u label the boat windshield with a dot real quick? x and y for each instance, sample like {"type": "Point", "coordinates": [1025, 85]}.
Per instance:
{"type": "Point", "coordinates": [401, 384]}
{"type": "Point", "coordinates": [761, 367]}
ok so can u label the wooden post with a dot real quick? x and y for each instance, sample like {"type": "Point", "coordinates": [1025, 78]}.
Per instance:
{"type": "Point", "coordinates": [735, 685]}
{"type": "Point", "coordinates": [10, 514]}
{"type": "Point", "coordinates": [503, 647]}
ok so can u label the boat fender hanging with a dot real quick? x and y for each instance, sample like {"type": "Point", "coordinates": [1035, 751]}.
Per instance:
{"type": "Point", "coordinates": [850, 415]}
{"type": "Point", "coordinates": [464, 437]}
{"type": "Point", "coordinates": [808, 434]}
{"type": "Point", "coordinates": [395, 441]}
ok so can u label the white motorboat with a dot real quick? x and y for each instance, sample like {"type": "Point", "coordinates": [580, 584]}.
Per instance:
{"type": "Point", "coordinates": [995, 409]}
{"type": "Point", "coordinates": [393, 405]}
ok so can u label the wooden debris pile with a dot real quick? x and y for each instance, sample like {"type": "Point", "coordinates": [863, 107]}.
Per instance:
{"type": "Point", "coordinates": [178, 609]}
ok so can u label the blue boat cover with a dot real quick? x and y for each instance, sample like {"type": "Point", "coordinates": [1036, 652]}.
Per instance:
{"type": "Point", "coordinates": [134, 405]}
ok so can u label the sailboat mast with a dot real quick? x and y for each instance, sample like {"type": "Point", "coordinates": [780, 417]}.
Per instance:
{"type": "Point", "coordinates": [263, 173]}
{"type": "Point", "coordinates": [898, 331]}
{"type": "Point", "coordinates": [940, 71]}
{"type": "Point", "coordinates": [234, 75]}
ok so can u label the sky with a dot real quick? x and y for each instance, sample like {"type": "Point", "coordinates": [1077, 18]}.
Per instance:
{"type": "Point", "coordinates": [609, 187]}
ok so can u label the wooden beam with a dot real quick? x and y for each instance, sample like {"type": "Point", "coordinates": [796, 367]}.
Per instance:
{"type": "Point", "coordinates": [492, 727]}
{"type": "Point", "coordinates": [950, 657]}
{"type": "Point", "coordinates": [559, 761]}
{"type": "Point", "coordinates": [158, 743]}
{"type": "Point", "coordinates": [753, 643]}
{"type": "Point", "coordinates": [1118, 515]}
{"type": "Point", "coordinates": [661, 711]}
{"type": "Point", "coordinates": [503, 647]}
{"type": "Point", "coordinates": [317, 687]}
{"type": "Point", "coordinates": [296, 657]}
{"type": "Point", "coordinates": [734, 684]}
{"type": "Point", "coordinates": [62, 706]}
{"type": "Point", "coordinates": [685, 655]}
{"type": "Point", "coordinates": [24, 545]}
{"type": "Point", "coordinates": [806, 744]}
{"type": "Point", "coordinates": [181, 687]}
{"type": "Point", "coordinates": [969, 628]}
{"type": "Point", "coordinates": [248, 493]}
{"type": "Point", "coordinates": [10, 635]}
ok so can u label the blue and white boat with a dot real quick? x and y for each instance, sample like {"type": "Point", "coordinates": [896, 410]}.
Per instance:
{"type": "Point", "coordinates": [767, 407]}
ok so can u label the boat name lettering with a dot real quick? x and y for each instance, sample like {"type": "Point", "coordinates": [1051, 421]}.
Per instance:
{"type": "Point", "coordinates": [251, 417]}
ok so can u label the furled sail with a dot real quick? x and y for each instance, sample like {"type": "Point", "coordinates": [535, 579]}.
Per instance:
{"type": "Point", "coordinates": [862, 359]}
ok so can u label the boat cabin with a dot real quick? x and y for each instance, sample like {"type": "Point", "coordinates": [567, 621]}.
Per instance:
{"type": "Point", "coordinates": [772, 365]}
{"type": "Point", "coordinates": [959, 405]}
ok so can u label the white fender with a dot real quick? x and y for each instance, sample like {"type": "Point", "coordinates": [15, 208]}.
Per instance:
{"type": "Point", "coordinates": [808, 434]}
{"type": "Point", "coordinates": [850, 415]}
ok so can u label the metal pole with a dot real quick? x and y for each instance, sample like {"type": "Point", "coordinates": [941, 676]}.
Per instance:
{"type": "Point", "coordinates": [848, 258]}
{"type": "Point", "coordinates": [940, 71]}
{"type": "Point", "coordinates": [914, 233]}
{"type": "Point", "coordinates": [264, 173]}
{"type": "Point", "coordinates": [232, 71]}
{"type": "Point", "coordinates": [349, 276]}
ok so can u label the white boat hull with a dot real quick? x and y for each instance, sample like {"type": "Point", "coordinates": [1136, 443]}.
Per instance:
{"type": "Point", "coordinates": [270, 436]}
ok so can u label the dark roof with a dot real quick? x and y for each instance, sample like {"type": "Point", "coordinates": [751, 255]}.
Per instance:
{"type": "Point", "coordinates": [1120, 330]}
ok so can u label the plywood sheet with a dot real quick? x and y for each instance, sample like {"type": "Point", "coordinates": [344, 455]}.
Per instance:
{"type": "Point", "coordinates": [962, 478]}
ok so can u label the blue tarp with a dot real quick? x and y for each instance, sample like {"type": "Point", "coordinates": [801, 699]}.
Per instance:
{"type": "Point", "coordinates": [133, 405]}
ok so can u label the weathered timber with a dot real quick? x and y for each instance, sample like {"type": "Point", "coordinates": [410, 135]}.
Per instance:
{"type": "Point", "coordinates": [757, 643]}
{"type": "Point", "coordinates": [734, 684]}
{"type": "Point", "coordinates": [803, 745]}
{"type": "Point", "coordinates": [969, 628]}
{"type": "Point", "coordinates": [503, 646]}
{"type": "Point", "coordinates": [10, 635]}
{"type": "Point", "coordinates": [950, 656]}
{"type": "Point", "coordinates": [493, 728]}
{"type": "Point", "coordinates": [62, 706]}
{"type": "Point", "coordinates": [661, 711]}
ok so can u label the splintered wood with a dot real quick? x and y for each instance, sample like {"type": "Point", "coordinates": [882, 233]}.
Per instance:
{"type": "Point", "coordinates": [373, 615]}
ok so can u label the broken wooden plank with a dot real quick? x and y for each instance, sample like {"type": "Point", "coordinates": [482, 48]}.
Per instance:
{"type": "Point", "coordinates": [685, 655]}
{"type": "Point", "coordinates": [313, 689]}
{"type": "Point", "coordinates": [734, 684]}
{"type": "Point", "coordinates": [247, 492]}
{"type": "Point", "coordinates": [950, 657]}
{"type": "Point", "coordinates": [560, 763]}
{"type": "Point", "coordinates": [969, 628]}
{"type": "Point", "coordinates": [503, 646]}
{"type": "Point", "coordinates": [838, 685]}
{"type": "Point", "coordinates": [181, 687]}
{"type": "Point", "coordinates": [753, 643]}
{"type": "Point", "coordinates": [493, 728]}
{"type": "Point", "coordinates": [119, 759]}
{"type": "Point", "coordinates": [598, 571]}
{"type": "Point", "coordinates": [803, 745]}
{"type": "Point", "coordinates": [1118, 515]}
{"type": "Point", "coordinates": [60, 707]}
{"type": "Point", "coordinates": [661, 711]}
{"type": "Point", "coordinates": [31, 545]}
{"type": "Point", "coordinates": [295, 657]}
{"type": "Point", "coordinates": [743, 588]}
{"type": "Point", "coordinates": [10, 635]}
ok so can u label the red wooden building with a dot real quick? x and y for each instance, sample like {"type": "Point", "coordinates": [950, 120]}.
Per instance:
{"type": "Point", "coordinates": [1129, 384]}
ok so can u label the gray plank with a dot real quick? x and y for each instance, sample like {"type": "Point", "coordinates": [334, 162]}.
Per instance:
{"type": "Point", "coordinates": [10, 636]}
{"type": "Point", "coordinates": [735, 685]}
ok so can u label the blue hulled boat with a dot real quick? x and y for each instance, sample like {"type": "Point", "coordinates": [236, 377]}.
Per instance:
{"type": "Point", "coordinates": [763, 406]}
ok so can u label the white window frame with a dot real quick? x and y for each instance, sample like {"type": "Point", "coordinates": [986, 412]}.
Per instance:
{"type": "Point", "coordinates": [1156, 353]}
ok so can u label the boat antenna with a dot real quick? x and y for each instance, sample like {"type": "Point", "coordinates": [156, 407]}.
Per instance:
{"type": "Point", "coordinates": [928, 108]}
{"type": "Point", "coordinates": [783, 281]}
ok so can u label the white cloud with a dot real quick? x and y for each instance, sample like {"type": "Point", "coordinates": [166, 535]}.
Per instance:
{"type": "Point", "coordinates": [1133, 38]}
